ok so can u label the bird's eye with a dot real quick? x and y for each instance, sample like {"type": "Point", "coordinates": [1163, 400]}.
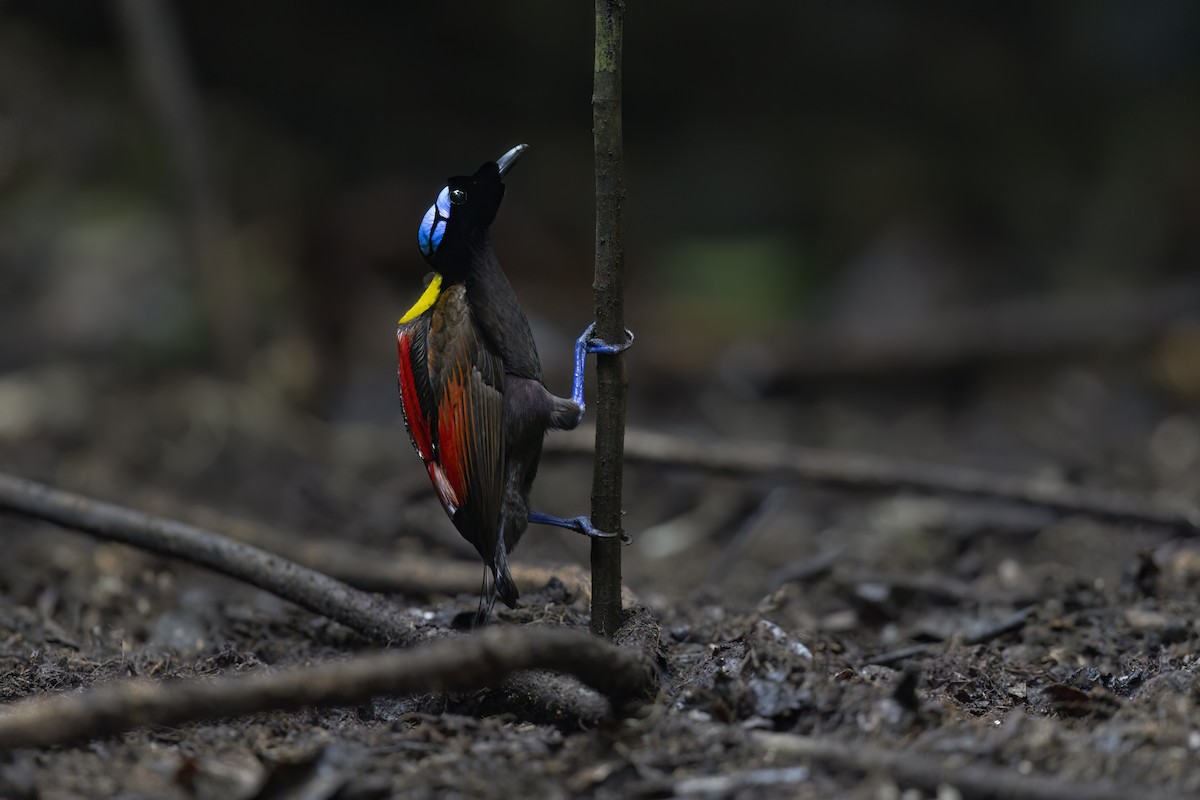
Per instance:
{"type": "Point", "coordinates": [458, 197]}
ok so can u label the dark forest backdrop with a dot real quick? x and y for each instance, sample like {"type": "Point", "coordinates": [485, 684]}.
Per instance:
{"type": "Point", "coordinates": [867, 162]}
{"type": "Point", "coordinates": [963, 233]}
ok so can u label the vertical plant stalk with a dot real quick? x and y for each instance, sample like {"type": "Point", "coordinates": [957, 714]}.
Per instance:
{"type": "Point", "coordinates": [160, 62]}
{"type": "Point", "coordinates": [610, 316]}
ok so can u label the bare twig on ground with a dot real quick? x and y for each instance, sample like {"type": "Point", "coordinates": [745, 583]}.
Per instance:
{"type": "Point", "coordinates": [935, 586]}
{"type": "Point", "coordinates": [540, 693]}
{"type": "Point", "coordinates": [610, 315]}
{"type": "Point", "coordinates": [929, 773]}
{"type": "Point", "coordinates": [623, 676]}
{"type": "Point", "coordinates": [810, 567]}
{"type": "Point", "coordinates": [367, 614]}
{"type": "Point", "coordinates": [544, 697]}
{"type": "Point", "coordinates": [1013, 622]}
{"type": "Point", "coordinates": [751, 527]}
{"type": "Point", "coordinates": [361, 567]}
{"type": "Point", "coordinates": [373, 569]}
{"type": "Point", "coordinates": [880, 473]}
{"type": "Point", "coordinates": [727, 784]}
{"type": "Point", "coordinates": [158, 55]}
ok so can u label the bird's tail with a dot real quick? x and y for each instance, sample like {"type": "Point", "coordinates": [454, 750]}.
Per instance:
{"type": "Point", "coordinates": [505, 588]}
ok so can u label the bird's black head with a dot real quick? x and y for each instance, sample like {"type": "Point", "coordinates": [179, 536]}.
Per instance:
{"type": "Point", "coordinates": [463, 211]}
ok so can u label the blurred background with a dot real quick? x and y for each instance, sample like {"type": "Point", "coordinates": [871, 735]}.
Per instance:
{"type": "Point", "coordinates": [965, 232]}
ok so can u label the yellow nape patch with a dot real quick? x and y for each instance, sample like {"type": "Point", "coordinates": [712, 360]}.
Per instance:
{"type": "Point", "coordinates": [426, 300]}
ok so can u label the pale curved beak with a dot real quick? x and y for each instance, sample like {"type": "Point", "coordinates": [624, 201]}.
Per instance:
{"type": "Point", "coordinates": [506, 161]}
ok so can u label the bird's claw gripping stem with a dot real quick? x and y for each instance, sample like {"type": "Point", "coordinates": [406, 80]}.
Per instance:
{"type": "Point", "coordinates": [581, 524]}
{"type": "Point", "coordinates": [587, 343]}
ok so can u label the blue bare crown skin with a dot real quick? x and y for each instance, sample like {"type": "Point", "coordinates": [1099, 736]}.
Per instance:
{"type": "Point", "coordinates": [433, 226]}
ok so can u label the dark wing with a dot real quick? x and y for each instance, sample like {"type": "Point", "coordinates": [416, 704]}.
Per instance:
{"type": "Point", "coordinates": [452, 390]}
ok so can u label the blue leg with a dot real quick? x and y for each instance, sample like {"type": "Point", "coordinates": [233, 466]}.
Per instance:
{"type": "Point", "coordinates": [580, 524]}
{"type": "Point", "coordinates": [587, 343]}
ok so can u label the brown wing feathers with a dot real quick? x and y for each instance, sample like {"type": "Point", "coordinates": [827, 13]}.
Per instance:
{"type": "Point", "coordinates": [454, 395]}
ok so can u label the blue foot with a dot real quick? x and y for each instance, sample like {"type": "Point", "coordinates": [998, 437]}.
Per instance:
{"type": "Point", "coordinates": [595, 345]}
{"type": "Point", "coordinates": [587, 343]}
{"type": "Point", "coordinates": [579, 524]}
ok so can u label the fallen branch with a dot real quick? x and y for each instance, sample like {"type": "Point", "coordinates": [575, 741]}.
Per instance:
{"type": "Point", "coordinates": [367, 614]}
{"type": "Point", "coordinates": [729, 783]}
{"type": "Point", "coordinates": [374, 569]}
{"type": "Point", "coordinates": [930, 773]}
{"type": "Point", "coordinates": [1013, 622]}
{"type": "Point", "coordinates": [542, 695]}
{"type": "Point", "coordinates": [880, 473]}
{"type": "Point", "coordinates": [623, 676]}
